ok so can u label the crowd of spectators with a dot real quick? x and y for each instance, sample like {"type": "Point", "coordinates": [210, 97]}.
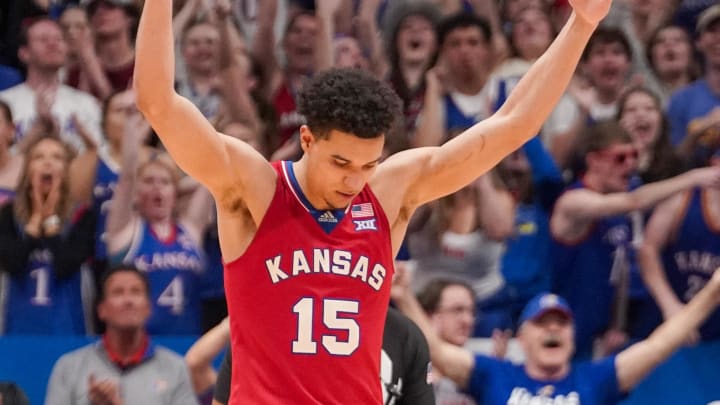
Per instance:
{"type": "Point", "coordinates": [613, 206]}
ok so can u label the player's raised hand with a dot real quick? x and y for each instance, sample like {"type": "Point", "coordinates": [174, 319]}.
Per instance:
{"type": "Point", "coordinates": [591, 11]}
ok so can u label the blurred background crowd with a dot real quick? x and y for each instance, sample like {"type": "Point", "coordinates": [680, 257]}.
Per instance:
{"type": "Point", "coordinates": [613, 205]}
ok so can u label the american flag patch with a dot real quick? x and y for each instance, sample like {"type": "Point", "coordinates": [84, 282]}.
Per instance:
{"type": "Point", "coordinates": [363, 210]}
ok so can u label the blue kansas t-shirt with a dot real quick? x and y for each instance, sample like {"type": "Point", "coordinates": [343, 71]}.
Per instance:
{"type": "Point", "coordinates": [497, 382]}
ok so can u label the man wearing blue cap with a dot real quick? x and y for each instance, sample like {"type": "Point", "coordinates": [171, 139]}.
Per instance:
{"type": "Point", "coordinates": [546, 336]}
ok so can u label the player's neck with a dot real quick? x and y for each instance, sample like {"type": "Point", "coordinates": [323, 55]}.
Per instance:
{"type": "Point", "coordinates": [300, 170]}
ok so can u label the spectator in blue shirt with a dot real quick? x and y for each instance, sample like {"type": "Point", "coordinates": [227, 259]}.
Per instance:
{"type": "Point", "coordinates": [546, 336]}
{"type": "Point", "coordinates": [9, 77]}
{"type": "Point", "coordinates": [694, 111]}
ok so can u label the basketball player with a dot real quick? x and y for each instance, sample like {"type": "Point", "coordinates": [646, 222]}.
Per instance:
{"type": "Point", "coordinates": [405, 370]}
{"type": "Point", "coordinates": [308, 246]}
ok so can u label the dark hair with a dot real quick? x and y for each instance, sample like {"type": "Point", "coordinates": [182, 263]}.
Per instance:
{"type": "Point", "coordinates": [121, 268]}
{"type": "Point", "coordinates": [429, 297]}
{"type": "Point", "coordinates": [24, 37]}
{"type": "Point", "coordinates": [106, 105]}
{"type": "Point", "coordinates": [127, 6]}
{"type": "Point", "coordinates": [606, 35]}
{"type": "Point", "coordinates": [12, 394]}
{"type": "Point", "coordinates": [393, 18]}
{"type": "Point", "coordinates": [601, 135]}
{"type": "Point", "coordinates": [350, 100]}
{"type": "Point", "coordinates": [693, 68]}
{"type": "Point", "coordinates": [664, 162]}
{"type": "Point", "coordinates": [463, 20]}
{"type": "Point", "coordinates": [294, 17]}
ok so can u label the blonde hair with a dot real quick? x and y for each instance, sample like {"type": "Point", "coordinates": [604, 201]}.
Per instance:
{"type": "Point", "coordinates": [162, 159]}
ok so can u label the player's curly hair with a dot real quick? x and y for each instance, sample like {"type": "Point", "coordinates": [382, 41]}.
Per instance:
{"type": "Point", "coordinates": [349, 100]}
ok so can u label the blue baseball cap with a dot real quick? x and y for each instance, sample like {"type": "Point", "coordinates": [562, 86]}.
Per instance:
{"type": "Point", "coordinates": [544, 303]}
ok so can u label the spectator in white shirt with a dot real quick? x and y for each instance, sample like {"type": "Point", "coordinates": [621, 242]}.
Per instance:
{"type": "Point", "coordinates": [44, 51]}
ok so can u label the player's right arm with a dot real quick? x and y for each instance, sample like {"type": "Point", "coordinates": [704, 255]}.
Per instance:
{"type": "Point", "coordinates": [229, 168]}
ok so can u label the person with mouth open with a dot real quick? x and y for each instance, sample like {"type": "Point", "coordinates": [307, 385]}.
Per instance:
{"type": "Point", "coordinates": [594, 237]}
{"type": "Point", "coordinates": [145, 229]}
{"type": "Point", "coordinates": [546, 337]}
{"type": "Point", "coordinates": [44, 242]}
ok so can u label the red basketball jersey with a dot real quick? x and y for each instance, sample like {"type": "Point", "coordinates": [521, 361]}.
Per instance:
{"type": "Point", "coordinates": [307, 305]}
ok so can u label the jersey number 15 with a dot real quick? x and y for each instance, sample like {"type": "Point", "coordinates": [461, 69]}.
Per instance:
{"type": "Point", "coordinates": [331, 308]}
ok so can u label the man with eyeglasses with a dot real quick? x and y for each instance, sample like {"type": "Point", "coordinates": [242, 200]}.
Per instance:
{"type": "Point", "coordinates": [593, 236]}
{"type": "Point", "coordinates": [546, 337]}
{"type": "Point", "coordinates": [450, 305]}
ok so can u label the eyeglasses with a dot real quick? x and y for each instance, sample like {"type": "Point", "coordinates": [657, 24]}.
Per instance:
{"type": "Point", "coordinates": [458, 310]}
{"type": "Point", "coordinates": [620, 157]}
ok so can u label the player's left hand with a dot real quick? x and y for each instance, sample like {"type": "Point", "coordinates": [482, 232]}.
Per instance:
{"type": "Point", "coordinates": [591, 11]}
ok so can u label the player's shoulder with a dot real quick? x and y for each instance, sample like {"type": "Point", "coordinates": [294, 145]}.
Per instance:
{"type": "Point", "coordinates": [400, 170]}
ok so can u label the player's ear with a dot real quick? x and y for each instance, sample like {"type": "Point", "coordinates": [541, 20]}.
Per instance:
{"type": "Point", "coordinates": [306, 137]}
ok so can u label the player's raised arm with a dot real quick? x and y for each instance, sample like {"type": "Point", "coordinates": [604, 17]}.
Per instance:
{"type": "Point", "coordinates": [453, 165]}
{"type": "Point", "coordinates": [219, 162]}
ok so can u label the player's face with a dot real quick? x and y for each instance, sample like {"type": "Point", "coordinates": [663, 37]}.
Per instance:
{"type": "Point", "coordinates": [455, 316]}
{"type": "Point", "coordinates": [548, 341]}
{"type": "Point", "coordinates": [339, 166]}
{"type": "Point", "coordinates": [126, 305]}
{"type": "Point", "coordinates": [47, 164]}
{"type": "Point", "coordinates": [615, 165]}
{"type": "Point", "coordinates": [640, 116]}
{"type": "Point", "coordinates": [155, 192]}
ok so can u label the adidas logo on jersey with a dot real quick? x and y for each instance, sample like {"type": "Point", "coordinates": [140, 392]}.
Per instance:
{"type": "Point", "coordinates": [327, 216]}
